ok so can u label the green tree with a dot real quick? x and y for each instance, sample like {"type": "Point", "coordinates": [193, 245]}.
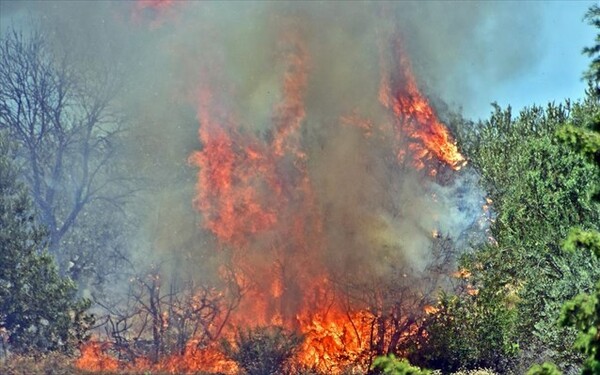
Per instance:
{"type": "Point", "coordinates": [469, 331]}
{"type": "Point", "coordinates": [592, 16]}
{"type": "Point", "coordinates": [540, 189]}
{"type": "Point", "coordinates": [583, 311]}
{"type": "Point", "coordinates": [38, 309]}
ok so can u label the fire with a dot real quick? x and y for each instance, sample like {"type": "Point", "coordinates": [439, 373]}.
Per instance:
{"type": "Point", "coordinates": [96, 356]}
{"type": "Point", "coordinates": [229, 162]}
{"type": "Point", "coordinates": [431, 310]}
{"type": "Point", "coordinates": [243, 195]}
{"type": "Point", "coordinates": [335, 340]}
{"type": "Point", "coordinates": [234, 174]}
{"type": "Point", "coordinates": [257, 199]}
{"type": "Point", "coordinates": [414, 116]}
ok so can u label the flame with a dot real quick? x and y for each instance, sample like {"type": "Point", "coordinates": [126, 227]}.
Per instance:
{"type": "Point", "coordinates": [335, 340]}
{"type": "Point", "coordinates": [431, 310]}
{"type": "Point", "coordinates": [95, 356]}
{"type": "Point", "coordinates": [256, 198]}
{"type": "Point", "coordinates": [234, 174]}
{"type": "Point", "coordinates": [415, 118]}
{"type": "Point", "coordinates": [231, 168]}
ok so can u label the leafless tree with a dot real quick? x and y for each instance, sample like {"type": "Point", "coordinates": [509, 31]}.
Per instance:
{"type": "Point", "coordinates": [159, 318]}
{"type": "Point", "coordinates": [397, 303]}
{"type": "Point", "coordinates": [67, 127]}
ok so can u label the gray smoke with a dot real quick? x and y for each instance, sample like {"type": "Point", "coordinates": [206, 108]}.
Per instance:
{"type": "Point", "coordinates": [375, 211]}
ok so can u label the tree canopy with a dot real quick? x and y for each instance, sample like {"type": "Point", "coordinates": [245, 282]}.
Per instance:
{"type": "Point", "coordinates": [38, 308]}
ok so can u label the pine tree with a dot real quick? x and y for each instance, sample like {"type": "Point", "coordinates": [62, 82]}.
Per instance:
{"type": "Point", "coordinates": [583, 311]}
{"type": "Point", "coordinates": [38, 308]}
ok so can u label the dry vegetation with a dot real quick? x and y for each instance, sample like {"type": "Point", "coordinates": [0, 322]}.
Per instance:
{"type": "Point", "coordinates": [60, 364]}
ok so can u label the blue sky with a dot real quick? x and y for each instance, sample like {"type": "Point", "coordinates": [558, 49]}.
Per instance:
{"type": "Point", "coordinates": [558, 74]}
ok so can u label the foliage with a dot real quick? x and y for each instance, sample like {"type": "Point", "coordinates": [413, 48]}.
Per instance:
{"type": "Point", "coordinates": [391, 365]}
{"type": "Point", "coordinates": [67, 129]}
{"type": "Point", "coordinates": [540, 189]}
{"type": "Point", "coordinates": [592, 16]}
{"type": "Point", "coordinates": [475, 372]}
{"type": "Point", "coordinates": [469, 331]}
{"type": "Point", "coordinates": [581, 238]}
{"type": "Point", "coordinates": [583, 311]}
{"type": "Point", "coordinates": [544, 369]}
{"type": "Point", "coordinates": [585, 141]}
{"type": "Point", "coordinates": [41, 364]}
{"type": "Point", "coordinates": [38, 309]}
{"type": "Point", "coordinates": [262, 350]}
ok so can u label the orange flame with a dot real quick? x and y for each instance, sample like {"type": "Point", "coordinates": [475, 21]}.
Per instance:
{"type": "Point", "coordinates": [415, 118]}
{"type": "Point", "coordinates": [228, 193]}
{"type": "Point", "coordinates": [243, 187]}
{"type": "Point", "coordinates": [95, 357]}
{"type": "Point", "coordinates": [253, 191]}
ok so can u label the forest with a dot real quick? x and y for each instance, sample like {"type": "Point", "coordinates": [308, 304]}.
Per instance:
{"type": "Point", "coordinates": [278, 189]}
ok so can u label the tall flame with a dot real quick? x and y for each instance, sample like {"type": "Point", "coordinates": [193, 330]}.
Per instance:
{"type": "Point", "coordinates": [256, 197]}
{"type": "Point", "coordinates": [248, 188]}
{"type": "Point", "coordinates": [415, 118]}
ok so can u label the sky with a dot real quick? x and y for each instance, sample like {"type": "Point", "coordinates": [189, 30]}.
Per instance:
{"type": "Point", "coordinates": [556, 27]}
{"type": "Point", "coordinates": [558, 75]}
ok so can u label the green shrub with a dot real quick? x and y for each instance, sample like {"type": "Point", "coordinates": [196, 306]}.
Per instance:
{"type": "Point", "coordinates": [391, 365]}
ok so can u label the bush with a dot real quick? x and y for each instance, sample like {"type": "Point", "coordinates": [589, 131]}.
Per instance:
{"type": "Point", "coordinates": [468, 331]}
{"type": "Point", "coordinates": [476, 372]}
{"type": "Point", "coordinates": [544, 369]}
{"type": "Point", "coordinates": [262, 350]}
{"type": "Point", "coordinates": [38, 307]}
{"type": "Point", "coordinates": [394, 366]}
{"type": "Point", "coordinates": [46, 364]}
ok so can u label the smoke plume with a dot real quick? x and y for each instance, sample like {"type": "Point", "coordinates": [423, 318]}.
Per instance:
{"type": "Point", "coordinates": [300, 85]}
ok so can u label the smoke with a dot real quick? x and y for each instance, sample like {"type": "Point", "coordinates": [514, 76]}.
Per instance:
{"type": "Point", "coordinates": [373, 212]}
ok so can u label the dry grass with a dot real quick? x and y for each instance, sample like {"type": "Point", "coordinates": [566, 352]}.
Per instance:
{"type": "Point", "coordinates": [46, 364]}
{"type": "Point", "coordinates": [53, 364]}
{"type": "Point", "coordinates": [58, 364]}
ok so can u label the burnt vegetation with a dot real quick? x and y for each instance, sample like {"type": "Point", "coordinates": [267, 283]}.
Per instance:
{"type": "Point", "coordinates": [526, 299]}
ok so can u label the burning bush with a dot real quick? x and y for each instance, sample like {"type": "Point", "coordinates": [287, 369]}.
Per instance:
{"type": "Point", "coordinates": [340, 210]}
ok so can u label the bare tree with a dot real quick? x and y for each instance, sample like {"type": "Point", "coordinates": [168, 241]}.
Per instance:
{"type": "Point", "coordinates": [397, 303]}
{"type": "Point", "coordinates": [67, 128]}
{"type": "Point", "coordinates": [159, 319]}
